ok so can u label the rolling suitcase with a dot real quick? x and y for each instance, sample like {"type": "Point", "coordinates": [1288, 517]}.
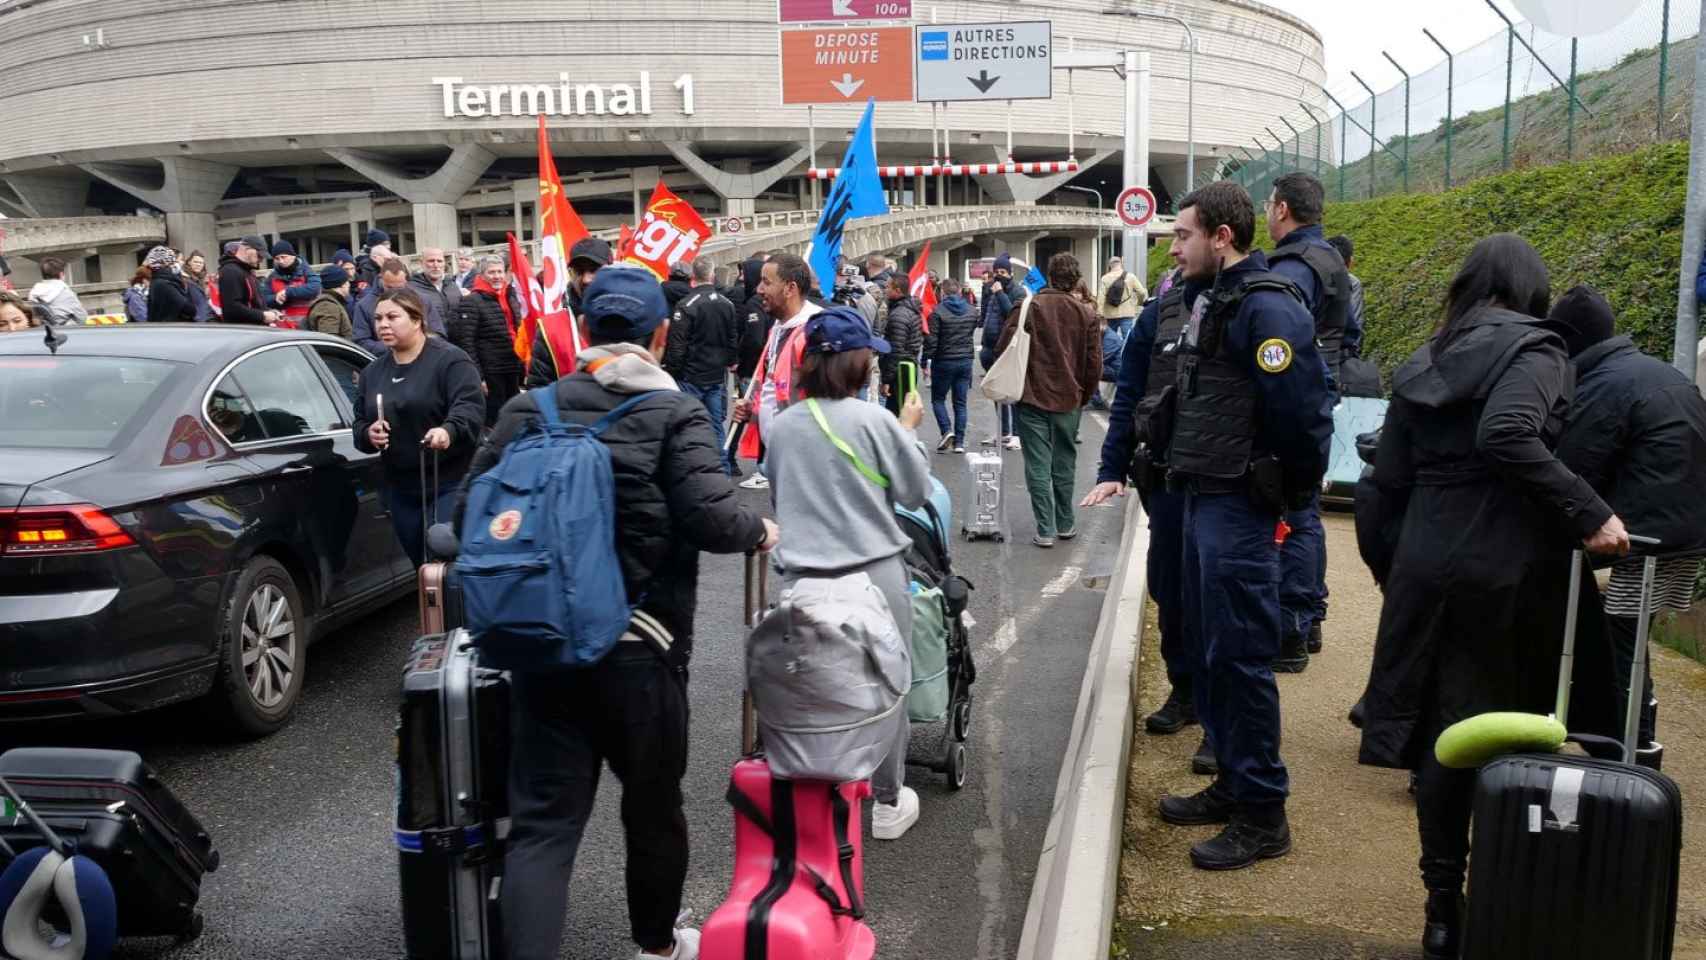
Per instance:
{"type": "Point", "coordinates": [115, 811]}
{"type": "Point", "coordinates": [452, 800]}
{"type": "Point", "coordinates": [1576, 857]}
{"type": "Point", "coordinates": [984, 514]}
{"type": "Point", "coordinates": [439, 595]}
{"type": "Point", "coordinates": [798, 887]}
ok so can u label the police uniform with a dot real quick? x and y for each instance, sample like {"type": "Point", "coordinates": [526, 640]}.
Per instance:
{"type": "Point", "coordinates": [1306, 258]}
{"type": "Point", "coordinates": [1251, 432]}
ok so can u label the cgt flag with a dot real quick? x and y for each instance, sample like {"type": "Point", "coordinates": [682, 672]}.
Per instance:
{"type": "Point", "coordinates": [671, 232]}
{"type": "Point", "coordinates": [532, 298]}
{"type": "Point", "coordinates": [857, 192]}
{"type": "Point", "coordinates": [560, 228]}
{"type": "Point", "coordinates": [918, 284]}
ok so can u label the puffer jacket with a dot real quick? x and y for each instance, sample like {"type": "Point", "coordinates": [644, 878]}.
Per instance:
{"type": "Point", "coordinates": [169, 299]}
{"type": "Point", "coordinates": [904, 330]}
{"type": "Point", "coordinates": [953, 331]}
{"type": "Point", "coordinates": [330, 314]}
{"type": "Point", "coordinates": [481, 330]}
{"type": "Point", "coordinates": [672, 498]}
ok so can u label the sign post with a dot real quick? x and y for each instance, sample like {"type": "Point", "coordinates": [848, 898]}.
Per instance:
{"type": "Point", "coordinates": [846, 64]}
{"type": "Point", "coordinates": [831, 11]}
{"type": "Point", "coordinates": [1135, 248]}
{"type": "Point", "coordinates": [1136, 207]}
{"type": "Point", "coordinates": [985, 61]}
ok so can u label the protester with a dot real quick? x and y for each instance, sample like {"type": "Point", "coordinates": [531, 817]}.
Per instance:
{"type": "Point", "coordinates": [420, 393]}
{"type": "Point", "coordinates": [850, 290]}
{"type": "Point", "coordinates": [997, 304]}
{"type": "Point", "coordinates": [948, 350]}
{"type": "Point", "coordinates": [135, 296]}
{"type": "Point", "coordinates": [1637, 434]}
{"type": "Point", "coordinates": [56, 295]}
{"type": "Point", "coordinates": [1485, 516]}
{"type": "Point", "coordinates": [485, 329]}
{"type": "Point", "coordinates": [878, 271]}
{"type": "Point", "coordinates": [1060, 378]}
{"type": "Point", "coordinates": [676, 288]}
{"type": "Point", "coordinates": [329, 313]}
{"type": "Point", "coordinates": [393, 276]}
{"type": "Point", "coordinates": [195, 281]}
{"type": "Point", "coordinates": [586, 257]}
{"type": "Point", "coordinates": [631, 709]}
{"type": "Point", "coordinates": [904, 332]}
{"type": "Point", "coordinates": [1354, 312]}
{"type": "Point", "coordinates": [436, 288]}
{"type": "Point", "coordinates": [168, 298]}
{"type": "Point", "coordinates": [358, 286]}
{"type": "Point", "coordinates": [1122, 294]}
{"type": "Point", "coordinates": [376, 251]}
{"type": "Point", "coordinates": [703, 346]}
{"type": "Point", "coordinates": [757, 321]}
{"type": "Point", "coordinates": [839, 468]}
{"type": "Point", "coordinates": [239, 290]}
{"type": "Point", "coordinates": [466, 269]}
{"type": "Point", "coordinates": [785, 278]}
{"type": "Point", "coordinates": [292, 286]}
{"type": "Point", "coordinates": [16, 312]}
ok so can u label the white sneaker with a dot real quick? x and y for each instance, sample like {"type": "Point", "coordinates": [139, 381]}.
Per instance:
{"type": "Point", "coordinates": [892, 822]}
{"type": "Point", "coordinates": [1012, 443]}
{"type": "Point", "coordinates": [686, 944]}
{"type": "Point", "coordinates": [755, 482]}
{"type": "Point", "coordinates": [990, 441]}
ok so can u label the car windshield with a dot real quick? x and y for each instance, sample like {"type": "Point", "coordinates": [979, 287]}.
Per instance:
{"type": "Point", "coordinates": [76, 403]}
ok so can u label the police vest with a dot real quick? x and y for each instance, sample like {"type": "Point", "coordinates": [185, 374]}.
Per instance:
{"type": "Point", "coordinates": [1174, 313]}
{"type": "Point", "coordinates": [1335, 305]}
{"type": "Point", "coordinates": [1214, 429]}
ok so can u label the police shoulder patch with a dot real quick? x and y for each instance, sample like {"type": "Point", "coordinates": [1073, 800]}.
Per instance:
{"type": "Point", "coordinates": [1274, 355]}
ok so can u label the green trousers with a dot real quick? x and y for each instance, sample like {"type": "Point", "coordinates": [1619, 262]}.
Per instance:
{"type": "Point", "coordinates": [1049, 442]}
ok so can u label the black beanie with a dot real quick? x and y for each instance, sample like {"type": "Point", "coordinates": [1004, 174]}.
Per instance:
{"type": "Point", "coordinates": [1583, 317]}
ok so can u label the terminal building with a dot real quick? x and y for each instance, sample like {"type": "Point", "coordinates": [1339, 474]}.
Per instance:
{"type": "Point", "coordinates": [196, 123]}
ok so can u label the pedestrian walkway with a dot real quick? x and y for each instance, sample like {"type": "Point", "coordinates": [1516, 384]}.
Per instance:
{"type": "Point", "coordinates": [1350, 889]}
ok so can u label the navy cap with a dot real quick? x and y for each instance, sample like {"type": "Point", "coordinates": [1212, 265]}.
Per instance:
{"type": "Point", "coordinates": [333, 277]}
{"type": "Point", "coordinates": [343, 256]}
{"type": "Point", "coordinates": [259, 245]}
{"type": "Point", "coordinates": [1003, 262]}
{"type": "Point", "coordinates": [376, 236]}
{"type": "Point", "coordinates": [283, 248]}
{"type": "Point", "coordinates": [623, 302]}
{"type": "Point", "coordinates": [840, 329]}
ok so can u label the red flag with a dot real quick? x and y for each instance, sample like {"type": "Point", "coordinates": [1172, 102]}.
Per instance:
{"type": "Point", "coordinates": [560, 228]}
{"type": "Point", "coordinates": [532, 297]}
{"type": "Point", "coordinates": [624, 242]}
{"type": "Point", "coordinates": [670, 232]}
{"type": "Point", "coordinates": [920, 286]}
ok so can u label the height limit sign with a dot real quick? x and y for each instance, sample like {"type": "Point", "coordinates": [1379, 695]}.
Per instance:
{"type": "Point", "coordinates": [985, 61]}
{"type": "Point", "coordinates": [1136, 207]}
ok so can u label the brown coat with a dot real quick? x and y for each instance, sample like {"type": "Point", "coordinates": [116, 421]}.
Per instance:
{"type": "Point", "coordinates": [1066, 351]}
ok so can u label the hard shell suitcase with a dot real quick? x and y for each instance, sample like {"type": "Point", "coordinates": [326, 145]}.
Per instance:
{"type": "Point", "coordinates": [798, 888]}
{"type": "Point", "coordinates": [112, 807]}
{"type": "Point", "coordinates": [439, 595]}
{"type": "Point", "coordinates": [984, 514]}
{"type": "Point", "coordinates": [1576, 857]}
{"type": "Point", "coordinates": [452, 800]}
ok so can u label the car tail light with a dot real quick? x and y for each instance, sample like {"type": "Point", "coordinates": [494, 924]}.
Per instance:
{"type": "Point", "coordinates": [79, 528]}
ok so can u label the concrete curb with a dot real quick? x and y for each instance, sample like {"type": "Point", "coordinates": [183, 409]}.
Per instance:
{"type": "Point", "coordinates": [1071, 910]}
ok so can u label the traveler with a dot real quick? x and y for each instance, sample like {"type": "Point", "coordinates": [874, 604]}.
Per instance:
{"type": "Point", "coordinates": [135, 296]}
{"type": "Point", "coordinates": [1636, 433]}
{"type": "Point", "coordinates": [1483, 516]}
{"type": "Point", "coordinates": [434, 286]}
{"type": "Point", "coordinates": [1122, 293]}
{"type": "Point", "coordinates": [1250, 432]}
{"type": "Point", "coordinates": [168, 297]}
{"type": "Point", "coordinates": [1354, 312]}
{"type": "Point", "coordinates": [998, 292]}
{"type": "Point", "coordinates": [948, 350]}
{"type": "Point", "coordinates": [485, 329]}
{"type": "Point", "coordinates": [631, 709]}
{"type": "Point", "coordinates": [56, 295]}
{"type": "Point", "coordinates": [376, 251]}
{"type": "Point", "coordinates": [1303, 256]}
{"type": "Point", "coordinates": [292, 285]}
{"type": "Point", "coordinates": [703, 346]}
{"type": "Point", "coordinates": [1064, 368]}
{"type": "Point", "coordinates": [420, 393]}
{"type": "Point", "coordinates": [904, 332]}
{"type": "Point", "coordinates": [239, 290]}
{"type": "Point", "coordinates": [839, 468]}
{"type": "Point", "coordinates": [16, 312]}
{"type": "Point", "coordinates": [1112, 346]}
{"type": "Point", "coordinates": [586, 257]}
{"type": "Point", "coordinates": [329, 313]}
{"type": "Point", "coordinates": [195, 281]}
{"type": "Point", "coordinates": [393, 276]}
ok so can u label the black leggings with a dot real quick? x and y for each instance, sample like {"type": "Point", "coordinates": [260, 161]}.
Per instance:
{"type": "Point", "coordinates": [1444, 800]}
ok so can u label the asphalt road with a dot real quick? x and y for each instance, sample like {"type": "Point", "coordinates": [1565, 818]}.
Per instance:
{"type": "Point", "coordinates": [303, 818]}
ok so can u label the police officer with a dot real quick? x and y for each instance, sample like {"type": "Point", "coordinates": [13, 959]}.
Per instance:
{"type": "Point", "coordinates": [1250, 434]}
{"type": "Point", "coordinates": [1304, 257]}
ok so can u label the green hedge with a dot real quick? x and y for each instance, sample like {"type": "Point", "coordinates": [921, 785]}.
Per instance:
{"type": "Point", "coordinates": [1615, 223]}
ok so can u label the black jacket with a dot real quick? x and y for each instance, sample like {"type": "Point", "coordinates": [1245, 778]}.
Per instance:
{"type": "Point", "coordinates": [755, 320]}
{"type": "Point", "coordinates": [704, 338]}
{"type": "Point", "coordinates": [239, 293]}
{"type": "Point", "coordinates": [445, 295]}
{"type": "Point", "coordinates": [904, 331]}
{"type": "Point", "coordinates": [675, 291]}
{"type": "Point", "coordinates": [953, 331]}
{"type": "Point", "coordinates": [672, 499]}
{"type": "Point", "coordinates": [441, 388]}
{"type": "Point", "coordinates": [1483, 518]}
{"type": "Point", "coordinates": [169, 299]}
{"type": "Point", "coordinates": [1637, 433]}
{"type": "Point", "coordinates": [542, 369]}
{"type": "Point", "coordinates": [478, 326]}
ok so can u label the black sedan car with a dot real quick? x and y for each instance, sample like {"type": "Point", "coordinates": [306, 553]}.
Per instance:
{"type": "Point", "coordinates": [182, 510]}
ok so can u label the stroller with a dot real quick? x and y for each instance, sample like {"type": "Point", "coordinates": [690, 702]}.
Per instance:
{"type": "Point", "coordinates": [942, 668]}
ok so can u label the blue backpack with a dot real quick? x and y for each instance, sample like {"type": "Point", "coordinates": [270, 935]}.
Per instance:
{"type": "Point", "coordinates": [542, 586]}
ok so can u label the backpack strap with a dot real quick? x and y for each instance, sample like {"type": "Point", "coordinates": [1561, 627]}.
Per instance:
{"type": "Point", "coordinates": [605, 422]}
{"type": "Point", "coordinates": [840, 444]}
{"type": "Point", "coordinates": [843, 813]}
{"type": "Point", "coordinates": [545, 398]}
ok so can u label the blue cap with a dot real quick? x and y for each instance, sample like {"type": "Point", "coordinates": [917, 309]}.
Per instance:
{"type": "Point", "coordinates": [343, 256]}
{"type": "Point", "coordinates": [840, 329]}
{"type": "Point", "coordinates": [623, 302]}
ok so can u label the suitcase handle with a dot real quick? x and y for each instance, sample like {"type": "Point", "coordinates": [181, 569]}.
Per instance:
{"type": "Point", "coordinates": [757, 589]}
{"type": "Point", "coordinates": [54, 840]}
{"type": "Point", "coordinates": [1595, 745]}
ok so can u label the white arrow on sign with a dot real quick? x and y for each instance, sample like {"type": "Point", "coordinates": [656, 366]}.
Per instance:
{"type": "Point", "coordinates": [844, 8]}
{"type": "Point", "coordinates": [847, 85]}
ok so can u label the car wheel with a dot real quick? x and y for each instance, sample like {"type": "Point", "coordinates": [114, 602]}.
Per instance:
{"type": "Point", "coordinates": [263, 647]}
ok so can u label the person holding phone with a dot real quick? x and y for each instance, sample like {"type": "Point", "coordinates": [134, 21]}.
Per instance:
{"type": "Point", "coordinates": [904, 332]}
{"type": "Point", "coordinates": [423, 394]}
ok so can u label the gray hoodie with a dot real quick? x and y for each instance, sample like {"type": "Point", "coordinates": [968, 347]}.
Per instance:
{"type": "Point", "coordinates": [57, 297]}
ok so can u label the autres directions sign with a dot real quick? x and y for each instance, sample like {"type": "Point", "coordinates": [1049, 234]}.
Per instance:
{"type": "Point", "coordinates": [984, 61]}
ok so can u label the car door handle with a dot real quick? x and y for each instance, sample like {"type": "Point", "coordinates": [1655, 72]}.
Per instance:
{"type": "Point", "coordinates": [296, 468]}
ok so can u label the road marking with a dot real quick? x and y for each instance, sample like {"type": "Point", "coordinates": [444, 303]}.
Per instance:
{"type": "Point", "coordinates": [1100, 418]}
{"type": "Point", "coordinates": [1005, 636]}
{"type": "Point", "coordinates": [1062, 581]}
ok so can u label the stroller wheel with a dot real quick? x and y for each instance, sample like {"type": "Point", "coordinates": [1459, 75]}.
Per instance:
{"type": "Point", "coordinates": [956, 766]}
{"type": "Point", "coordinates": [962, 720]}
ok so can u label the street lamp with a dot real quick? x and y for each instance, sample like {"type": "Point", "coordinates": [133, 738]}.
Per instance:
{"type": "Point", "coordinates": [1190, 83]}
{"type": "Point", "coordinates": [1098, 195]}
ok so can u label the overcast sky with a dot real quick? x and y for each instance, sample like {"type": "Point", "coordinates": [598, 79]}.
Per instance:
{"type": "Point", "coordinates": [1355, 31]}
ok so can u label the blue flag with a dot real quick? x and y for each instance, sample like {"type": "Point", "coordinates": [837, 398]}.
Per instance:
{"type": "Point", "coordinates": [1034, 280]}
{"type": "Point", "coordinates": [856, 192]}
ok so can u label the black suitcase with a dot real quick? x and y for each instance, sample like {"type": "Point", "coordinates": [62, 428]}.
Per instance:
{"type": "Point", "coordinates": [118, 814]}
{"type": "Point", "coordinates": [1576, 857]}
{"type": "Point", "coordinates": [452, 800]}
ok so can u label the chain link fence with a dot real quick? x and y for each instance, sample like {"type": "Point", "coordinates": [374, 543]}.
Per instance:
{"type": "Point", "coordinates": [1520, 98]}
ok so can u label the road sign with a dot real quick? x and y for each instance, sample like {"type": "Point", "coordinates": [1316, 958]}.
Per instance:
{"type": "Point", "coordinates": [846, 64]}
{"type": "Point", "coordinates": [1136, 206]}
{"type": "Point", "coordinates": [733, 225]}
{"type": "Point", "coordinates": [985, 61]}
{"type": "Point", "coordinates": [820, 11]}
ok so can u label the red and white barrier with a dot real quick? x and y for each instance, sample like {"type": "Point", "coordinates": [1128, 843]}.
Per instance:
{"type": "Point", "coordinates": [957, 169]}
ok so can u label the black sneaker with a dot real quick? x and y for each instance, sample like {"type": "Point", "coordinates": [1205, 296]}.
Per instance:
{"type": "Point", "coordinates": [1442, 932]}
{"type": "Point", "coordinates": [1175, 715]}
{"type": "Point", "coordinates": [1314, 642]}
{"type": "Point", "coordinates": [1241, 844]}
{"type": "Point", "coordinates": [1357, 710]}
{"type": "Point", "coordinates": [1293, 657]}
{"type": "Point", "coordinates": [1205, 806]}
{"type": "Point", "coordinates": [1203, 762]}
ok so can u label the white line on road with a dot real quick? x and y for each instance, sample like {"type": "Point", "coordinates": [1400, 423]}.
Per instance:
{"type": "Point", "coordinates": [1100, 418]}
{"type": "Point", "coordinates": [1005, 636]}
{"type": "Point", "coordinates": [1062, 581]}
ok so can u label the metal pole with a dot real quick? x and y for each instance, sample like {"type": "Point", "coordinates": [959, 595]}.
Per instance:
{"type": "Point", "coordinates": [811, 139]}
{"type": "Point", "coordinates": [1318, 124]}
{"type": "Point", "coordinates": [1098, 195]}
{"type": "Point", "coordinates": [1510, 65]}
{"type": "Point", "coordinates": [1570, 104]}
{"type": "Point", "coordinates": [1071, 119]}
{"type": "Point", "coordinates": [1694, 218]}
{"type": "Point", "coordinates": [1372, 143]}
{"type": "Point", "coordinates": [1190, 83]}
{"type": "Point", "coordinates": [1134, 246]}
{"type": "Point", "coordinates": [1279, 140]}
{"type": "Point", "coordinates": [1450, 81]}
{"type": "Point", "coordinates": [1406, 74]}
{"type": "Point", "coordinates": [935, 127]}
{"type": "Point", "coordinates": [1664, 63]}
{"type": "Point", "coordinates": [1009, 131]}
{"type": "Point", "coordinates": [1344, 139]}
{"type": "Point", "coordinates": [1297, 138]}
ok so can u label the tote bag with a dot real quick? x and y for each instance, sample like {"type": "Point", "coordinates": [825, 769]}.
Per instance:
{"type": "Point", "coordinates": [1005, 381]}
